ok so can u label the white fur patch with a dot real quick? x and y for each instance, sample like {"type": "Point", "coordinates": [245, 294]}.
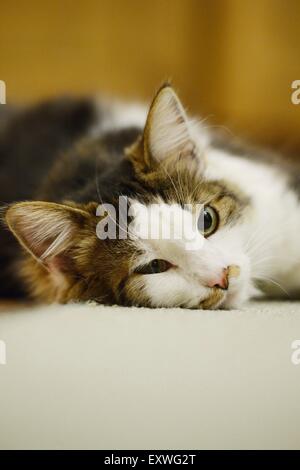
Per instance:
{"type": "Point", "coordinates": [114, 115]}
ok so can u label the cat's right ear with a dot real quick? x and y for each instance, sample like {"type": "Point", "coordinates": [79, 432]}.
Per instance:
{"type": "Point", "coordinates": [167, 135]}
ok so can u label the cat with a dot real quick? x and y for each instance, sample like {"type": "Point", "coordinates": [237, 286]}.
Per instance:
{"type": "Point", "coordinates": [62, 159]}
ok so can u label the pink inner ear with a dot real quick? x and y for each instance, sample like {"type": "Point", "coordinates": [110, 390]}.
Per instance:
{"type": "Point", "coordinates": [59, 263]}
{"type": "Point", "coordinates": [57, 271]}
{"type": "Point", "coordinates": [33, 240]}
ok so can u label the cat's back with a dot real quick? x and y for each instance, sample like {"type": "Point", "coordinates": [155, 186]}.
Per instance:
{"type": "Point", "coordinates": [33, 139]}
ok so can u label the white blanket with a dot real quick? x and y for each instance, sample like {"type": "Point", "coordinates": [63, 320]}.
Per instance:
{"type": "Point", "coordinates": [85, 376]}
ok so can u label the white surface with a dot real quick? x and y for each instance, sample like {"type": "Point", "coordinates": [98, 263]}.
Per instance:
{"type": "Point", "coordinates": [116, 378]}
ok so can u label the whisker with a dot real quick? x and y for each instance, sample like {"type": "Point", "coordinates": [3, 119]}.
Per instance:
{"type": "Point", "coordinates": [269, 279]}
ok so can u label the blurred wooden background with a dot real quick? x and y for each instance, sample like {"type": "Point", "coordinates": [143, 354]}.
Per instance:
{"type": "Point", "coordinates": [231, 60]}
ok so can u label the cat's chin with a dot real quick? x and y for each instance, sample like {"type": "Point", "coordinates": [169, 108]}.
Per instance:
{"type": "Point", "coordinates": [232, 299]}
{"type": "Point", "coordinates": [213, 301]}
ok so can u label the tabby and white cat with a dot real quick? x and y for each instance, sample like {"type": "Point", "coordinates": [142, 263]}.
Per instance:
{"type": "Point", "coordinates": [61, 159]}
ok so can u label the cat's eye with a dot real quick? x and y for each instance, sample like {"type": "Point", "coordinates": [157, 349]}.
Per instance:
{"type": "Point", "coordinates": [208, 221]}
{"type": "Point", "coordinates": [155, 266]}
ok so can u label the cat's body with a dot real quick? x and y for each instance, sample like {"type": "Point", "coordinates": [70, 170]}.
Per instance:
{"type": "Point", "coordinates": [71, 153]}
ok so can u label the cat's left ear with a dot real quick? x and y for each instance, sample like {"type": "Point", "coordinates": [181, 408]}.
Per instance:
{"type": "Point", "coordinates": [46, 230]}
{"type": "Point", "coordinates": [167, 134]}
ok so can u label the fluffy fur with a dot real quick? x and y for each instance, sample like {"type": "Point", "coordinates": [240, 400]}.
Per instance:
{"type": "Point", "coordinates": [157, 159]}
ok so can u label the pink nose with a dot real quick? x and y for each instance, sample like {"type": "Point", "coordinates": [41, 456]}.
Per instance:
{"type": "Point", "coordinates": [221, 281]}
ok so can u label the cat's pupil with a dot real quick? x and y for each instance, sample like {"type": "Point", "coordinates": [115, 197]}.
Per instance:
{"type": "Point", "coordinates": [207, 220]}
{"type": "Point", "coordinates": [155, 266]}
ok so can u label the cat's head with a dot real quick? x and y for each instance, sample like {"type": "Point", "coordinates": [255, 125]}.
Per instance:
{"type": "Point", "coordinates": [69, 259]}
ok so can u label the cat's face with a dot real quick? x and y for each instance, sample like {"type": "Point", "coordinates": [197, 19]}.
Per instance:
{"type": "Point", "coordinates": [208, 271]}
{"type": "Point", "coordinates": [160, 269]}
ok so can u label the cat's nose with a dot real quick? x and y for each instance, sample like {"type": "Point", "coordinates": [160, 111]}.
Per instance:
{"type": "Point", "coordinates": [220, 281]}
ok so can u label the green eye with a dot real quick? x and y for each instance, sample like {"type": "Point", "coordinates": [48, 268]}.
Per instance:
{"type": "Point", "coordinates": [208, 221]}
{"type": "Point", "coordinates": [154, 267]}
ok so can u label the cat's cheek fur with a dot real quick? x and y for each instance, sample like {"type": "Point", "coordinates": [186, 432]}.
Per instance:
{"type": "Point", "coordinates": [171, 289]}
